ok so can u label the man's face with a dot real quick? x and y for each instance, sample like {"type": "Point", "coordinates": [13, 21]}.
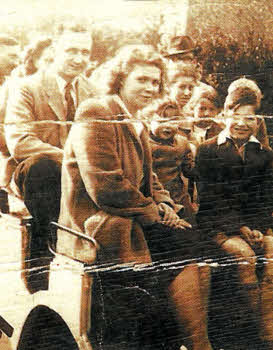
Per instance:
{"type": "Point", "coordinates": [243, 123]}
{"type": "Point", "coordinates": [182, 89]}
{"type": "Point", "coordinates": [141, 86]}
{"type": "Point", "coordinates": [9, 59]}
{"type": "Point", "coordinates": [72, 54]}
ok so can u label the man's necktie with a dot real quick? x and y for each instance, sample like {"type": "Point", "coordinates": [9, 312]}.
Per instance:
{"type": "Point", "coordinates": [70, 103]}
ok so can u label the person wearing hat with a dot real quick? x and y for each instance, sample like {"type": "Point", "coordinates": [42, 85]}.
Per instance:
{"type": "Point", "coordinates": [9, 60]}
{"type": "Point", "coordinates": [182, 48]}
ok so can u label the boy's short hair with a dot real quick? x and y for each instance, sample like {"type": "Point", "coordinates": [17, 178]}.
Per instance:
{"type": "Point", "coordinates": [242, 92]}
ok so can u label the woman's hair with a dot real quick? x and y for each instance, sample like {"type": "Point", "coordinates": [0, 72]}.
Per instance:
{"type": "Point", "coordinates": [242, 92]}
{"type": "Point", "coordinates": [113, 72]}
{"type": "Point", "coordinates": [182, 69]}
{"type": "Point", "coordinates": [33, 52]}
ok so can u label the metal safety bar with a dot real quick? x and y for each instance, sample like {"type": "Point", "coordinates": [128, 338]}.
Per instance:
{"type": "Point", "coordinates": [76, 233]}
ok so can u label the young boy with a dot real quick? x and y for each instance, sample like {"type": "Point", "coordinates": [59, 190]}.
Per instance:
{"type": "Point", "coordinates": [235, 185]}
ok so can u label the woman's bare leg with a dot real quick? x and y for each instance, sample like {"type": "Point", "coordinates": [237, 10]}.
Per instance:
{"type": "Point", "coordinates": [246, 268]}
{"type": "Point", "coordinates": [186, 296]}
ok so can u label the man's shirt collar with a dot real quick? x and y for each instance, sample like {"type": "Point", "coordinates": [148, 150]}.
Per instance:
{"type": "Point", "coordinates": [62, 84]}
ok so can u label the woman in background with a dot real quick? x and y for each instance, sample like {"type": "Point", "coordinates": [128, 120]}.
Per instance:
{"type": "Point", "coordinates": [36, 55]}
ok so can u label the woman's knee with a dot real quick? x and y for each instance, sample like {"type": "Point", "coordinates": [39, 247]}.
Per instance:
{"type": "Point", "coordinates": [240, 249]}
{"type": "Point", "coordinates": [268, 247]}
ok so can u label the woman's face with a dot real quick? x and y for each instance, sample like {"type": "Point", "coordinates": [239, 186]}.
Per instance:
{"type": "Point", "coordinates": [140, 87]}
{"type": "Point", "coordinates": [243, 123]}
{"type": "Point", "coordinates": [44, 60]}
{"type": "Point", "coordinates": [182, 89]}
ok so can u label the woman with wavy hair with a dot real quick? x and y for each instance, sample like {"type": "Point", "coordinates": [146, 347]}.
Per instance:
{"type": "Point", "coordinates": [110, 192]}
{"type": "Point", "coordinates": [36, 55]}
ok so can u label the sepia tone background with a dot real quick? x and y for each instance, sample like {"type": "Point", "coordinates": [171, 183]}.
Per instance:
{"type": "Point", "coordinates": [235, 35]}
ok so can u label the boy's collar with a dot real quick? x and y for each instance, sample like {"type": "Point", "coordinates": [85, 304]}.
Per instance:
{"type": "Point", "coordinates": [225, 134]}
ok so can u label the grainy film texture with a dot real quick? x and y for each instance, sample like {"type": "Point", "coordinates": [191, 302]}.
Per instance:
{"type": "Point", "coordinates": [136, 175]}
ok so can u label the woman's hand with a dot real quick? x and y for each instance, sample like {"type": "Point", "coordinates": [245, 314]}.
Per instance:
{"type": "Point", "coordinates": [170, 218]}
{"type": "Point", "coordinates": [252, 237]}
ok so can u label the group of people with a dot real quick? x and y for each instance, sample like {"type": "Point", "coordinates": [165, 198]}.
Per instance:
{"type": "Point", "coordinates": [141, 157]}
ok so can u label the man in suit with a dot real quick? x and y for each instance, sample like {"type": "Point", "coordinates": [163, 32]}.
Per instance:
{"type": "Point", "coordinates": [9, 59]}
{"type": "Point", "coordinates": [39, 114]}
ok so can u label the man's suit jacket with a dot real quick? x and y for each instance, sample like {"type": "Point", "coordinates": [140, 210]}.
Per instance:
{"type": "Point", "coordinates": [7, 162]}
{"type": "Point", "coordinates": [234, 191]}
{"type": "Point", "coordinates": [35, 121]}
{"type": "Point", "coordinates": [108, 187]}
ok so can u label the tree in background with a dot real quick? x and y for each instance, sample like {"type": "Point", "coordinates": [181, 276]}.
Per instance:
{"type": "Point", "coordinates": [235, 35]}
{"type": "Point", "coordinates": [236, 40]}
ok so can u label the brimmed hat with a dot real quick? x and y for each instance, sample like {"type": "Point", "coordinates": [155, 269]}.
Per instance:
{"type": "Point", "coordinates": [182, 44]}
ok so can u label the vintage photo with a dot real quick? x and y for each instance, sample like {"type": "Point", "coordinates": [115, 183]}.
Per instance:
{"type": "Point", "coordinates": [136, 175]}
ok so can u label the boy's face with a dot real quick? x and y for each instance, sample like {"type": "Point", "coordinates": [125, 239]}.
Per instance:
{"type": "Point", "coordinates": [164, 129]}
{"type": "Point", "coordinates": [243, 123]}
{"type": "Point", "coordinates": [205, 109]}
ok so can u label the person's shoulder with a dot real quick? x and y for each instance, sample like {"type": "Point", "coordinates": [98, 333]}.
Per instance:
{"type": "Point", "coordinates": [267, 150]}
{"type": "Point", "coordinates": [31, 82]}
{"type": "Point", "coordinates": [95, 108]}
{"type": "Point", "coordinates": [208, 146]}
{"type": "Point", "coordinates": [84, 81]}
{"type": "Point", "coordinates": [182, 141]}
{"type": "Point", "coordinates": [212, 142]}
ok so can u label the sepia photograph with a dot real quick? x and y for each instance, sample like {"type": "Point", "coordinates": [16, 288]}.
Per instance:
{"type": "Point", "coordinates": [136, 175]}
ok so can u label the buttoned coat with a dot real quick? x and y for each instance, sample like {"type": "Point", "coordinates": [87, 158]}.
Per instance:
{"type": "Point", "coordinates": [35, 121]}
{"type": "Point", "coordinates": [172, 159]}
{"type": "Point", "coordinates": [234, 190]}
{"type": "Point", "coordinates": [108, 188]}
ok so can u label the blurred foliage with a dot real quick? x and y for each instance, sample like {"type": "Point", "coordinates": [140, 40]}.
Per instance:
{"type": "Point", "coordinates": [236, 40]}
{"type": "Point", "coordinates": [235, 36]}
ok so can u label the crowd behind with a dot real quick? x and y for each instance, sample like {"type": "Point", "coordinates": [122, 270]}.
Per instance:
{"type": "Point", "coordinates": [139, 154]}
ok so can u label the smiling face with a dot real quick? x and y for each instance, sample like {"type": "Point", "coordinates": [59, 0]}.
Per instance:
{"type": "Point", "coordinates": [72, 53]}
{"type": "Point", "coordinates": [182, 89]}
{"type": "Point", "coordinates": [243, 123]}
{"type": "Point", "coordinates": [140, 86]}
